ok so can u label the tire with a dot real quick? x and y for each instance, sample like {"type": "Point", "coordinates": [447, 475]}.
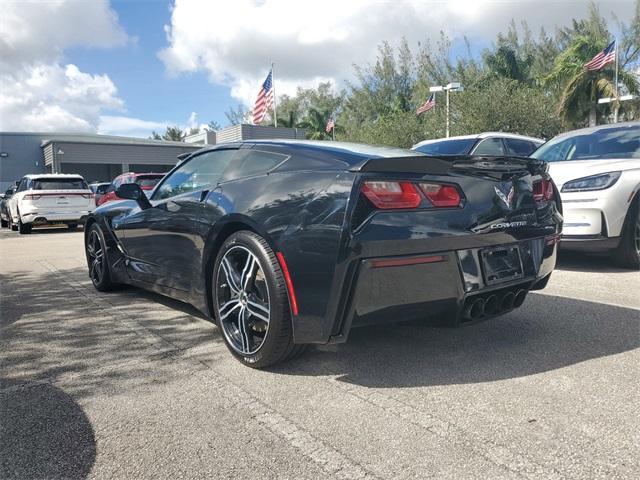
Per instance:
{"type": "Point", "coordinates": [95, 250]}
{"type": "Point", "coordinates": [23, 228]}
{"type": "Point", "coordinates": [4, 223]}
{"type": "Point", "coordinates": [72, 226]}
{"type": "Point", "coordinates": [250, 301]}
{"type": "Point", "coordinates": [627, 255]}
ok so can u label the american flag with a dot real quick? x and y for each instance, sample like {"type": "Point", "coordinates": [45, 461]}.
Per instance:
{"type": "Point", "coordinates": [264, 101]}
{"type": "Point", "coordinates": [428, 105]}
{"type": "Point", "coordinates": [330, 124]}
{"type": "Point", "coordinates": [605, 57]}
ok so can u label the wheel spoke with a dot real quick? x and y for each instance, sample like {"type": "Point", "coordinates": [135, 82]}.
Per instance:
{"type": "Point", "coordinates": [225, 311]}
{"type": "Point", "coordinates": [229, 273]}
{"type": "Point", "coordinates": [258, 310]}
{"type": "Point", "coordinates": [245, 331]}
{"type": "Point", "coordinates": [247, 271]}
{"type": "Point", "coordinates": [97, 270]}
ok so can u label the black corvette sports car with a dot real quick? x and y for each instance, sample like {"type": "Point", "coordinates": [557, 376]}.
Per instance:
{"type": "Point", "coordinates": [286, 243]}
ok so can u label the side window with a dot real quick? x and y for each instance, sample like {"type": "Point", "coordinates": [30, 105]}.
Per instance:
{"type": "Point", "coordinates": [519, 147]}
{"type": "Point", "coordinates": [250, 162]}
{"type": "Point", "coordinates": [490, 147]}
{"type": "Point", "coordinates": [22, 186]}
{"type": "Point", "coordinates": [202, 171]}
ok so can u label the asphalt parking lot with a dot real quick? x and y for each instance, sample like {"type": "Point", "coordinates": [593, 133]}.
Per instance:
{"type": "Point", "coordinates": [133, 385]}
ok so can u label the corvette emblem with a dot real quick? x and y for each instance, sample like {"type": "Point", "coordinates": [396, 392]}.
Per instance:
{"type": "Point", "coordinates": [506, 198]}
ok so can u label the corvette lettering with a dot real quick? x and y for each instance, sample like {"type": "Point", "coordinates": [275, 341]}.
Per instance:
{"type": "Point", "coordinates": [507, 225]}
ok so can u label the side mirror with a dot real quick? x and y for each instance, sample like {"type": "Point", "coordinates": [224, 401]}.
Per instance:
{"type": "Point", "coordinates": [132, 191]}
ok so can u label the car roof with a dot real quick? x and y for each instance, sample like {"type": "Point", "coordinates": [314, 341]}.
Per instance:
{"type": "Point", "coordinates": [347, 151]}
{"type": "Point", "coordinates": [35, 176]}
{"type": "Point", "coordinates": [598, 128]}
{"type": "Point", "coordinates": [482, 135]}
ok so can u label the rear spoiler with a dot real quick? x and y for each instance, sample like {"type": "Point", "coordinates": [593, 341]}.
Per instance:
{"type": "Point", "coordinates": [442, 165]}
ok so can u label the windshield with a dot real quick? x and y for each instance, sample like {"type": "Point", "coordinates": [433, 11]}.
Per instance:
{"type": "Point", "coordinates": [619, 142]}
{"type": "Point", "coordinates": [148, 181]}
{"type": "Point", "coordinates": [59, 184]}
{"type": "Point", "coordinates": [460, 146]}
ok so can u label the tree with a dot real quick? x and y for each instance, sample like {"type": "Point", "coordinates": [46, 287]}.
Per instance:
{"type": "Point", "coordinates": [174, 134]}
{"type": "Point", "coordinates": [213, 126]}
{"type": "Point", "coordinates": [237, 115]}
{"type": "Point", "coordinates": [580, 87]}
{"type": "Point", "coordinates": [155, 136]}
{"type": "Point", "coordinates": [316, 122]}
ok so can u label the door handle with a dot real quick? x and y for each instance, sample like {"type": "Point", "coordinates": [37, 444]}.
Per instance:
{"type": "Point", "coordinates": [203, 195]}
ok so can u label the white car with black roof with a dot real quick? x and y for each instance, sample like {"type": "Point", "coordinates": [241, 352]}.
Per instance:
{"type": "Point", "coordinates": [44, 199]}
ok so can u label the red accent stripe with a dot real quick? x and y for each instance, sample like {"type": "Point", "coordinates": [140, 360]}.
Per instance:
{"type": "Point", "coordinates": [287, 279]}
{"type": "Point", "coordinates": [398, 262]}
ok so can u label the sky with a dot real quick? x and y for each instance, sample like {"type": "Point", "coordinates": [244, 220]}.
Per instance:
{"type": "Point", "coordinates": [129, 67]}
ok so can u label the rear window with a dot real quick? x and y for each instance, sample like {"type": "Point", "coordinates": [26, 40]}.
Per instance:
{"type": "Point", "coordinates": [148, 181]}
{"type": "Point", "coordinates": [59, 184]}
{"type": "Point", "coordinates": [617, 142]}
{"type": "Point", "coordinates": [460, 146]}
{"type": "Point", "coordinates": [522, 148]}
{"type": "Point", "coordinates": [253, 162]}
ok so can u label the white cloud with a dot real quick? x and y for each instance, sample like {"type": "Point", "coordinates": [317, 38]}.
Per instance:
{"type": "Point", "coordinates": [32, 31]}
{"type": "Point", "coordinates": [54, 97]}
{"type": "Point", "coordinates": [128, 126]}
{"type": "Point", "coordinates": [234, 42]}
{"type": "Point", "coordinates": [136, 127]}
{"type": "Point", "coordinates": [37, 91]}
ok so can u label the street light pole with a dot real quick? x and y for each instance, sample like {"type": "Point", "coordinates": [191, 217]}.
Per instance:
{"type": "Point", "coordinates": [447, 129]}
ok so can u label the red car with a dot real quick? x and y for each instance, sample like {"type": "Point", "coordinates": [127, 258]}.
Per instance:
{"type": "Point", "coordinates": [146, 181]}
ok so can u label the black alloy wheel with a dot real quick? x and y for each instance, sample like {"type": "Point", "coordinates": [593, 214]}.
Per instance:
{"type": "Point", "coordinates": [96, 252]}
{"type": "Point", "coordinates": [251, 303]}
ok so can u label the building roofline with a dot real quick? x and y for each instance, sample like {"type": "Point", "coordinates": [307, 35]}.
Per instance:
{"type": "Point", "coordinates": [79, 137]}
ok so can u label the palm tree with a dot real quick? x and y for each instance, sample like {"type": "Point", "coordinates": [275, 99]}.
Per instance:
{"type": "Point", "coordinates": [315, 122]}
{"type": "Point", "coordinates": [290, 120]}
{"type": "Point", "coordinates": [581, 88]}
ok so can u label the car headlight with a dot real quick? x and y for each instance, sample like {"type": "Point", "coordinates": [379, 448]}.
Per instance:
{"type": "Point", "coordinates": [594, 182]}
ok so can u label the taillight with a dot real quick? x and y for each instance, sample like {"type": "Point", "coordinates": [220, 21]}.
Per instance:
{"type": "Point", "coordinates": [441, 195]}
{"type": "Point", "coordinates": [543, 190]}
{"type": "Point", "coordinates": [391, 195]}
{"type": "Point", "coordinates": [31, 196]}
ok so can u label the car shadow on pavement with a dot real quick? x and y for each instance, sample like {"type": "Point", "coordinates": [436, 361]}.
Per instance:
{"type": "Point", "coordinates": [546, 333]}
{"type": "Point", "coordinates": [52, 330]}
{"type": "Point", "coordinates": [94, 343]}
{"type": "Point", "coordinates": [44, 433]}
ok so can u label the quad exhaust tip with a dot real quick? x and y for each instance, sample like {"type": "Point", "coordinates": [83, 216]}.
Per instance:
{"type": "Point", "coordinates": [507, 301]}
{"type": "Point", "coordinates": [494, 304]}
{"type": "Point", "coordinates": [475, 310]}
{"type": "Point", "coordinates": [519, 298]}
{"type": "Point", "coordinates": [491, 305]}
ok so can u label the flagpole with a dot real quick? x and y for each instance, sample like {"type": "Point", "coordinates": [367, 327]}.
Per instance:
{"type": "Point", "coordinates": [617, 105]}
{"type": "Point", "coordinates": [275, 105]}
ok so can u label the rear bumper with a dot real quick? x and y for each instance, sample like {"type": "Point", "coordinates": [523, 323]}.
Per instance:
{"type": "Point", "coordinates": [442, 291]}
{"type": "Point", "coordinates": [44, 218]}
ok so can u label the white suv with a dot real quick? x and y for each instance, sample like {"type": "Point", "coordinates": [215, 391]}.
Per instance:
{"type": "Point", "coordinates": [597, 171]}
{"type": "Point", "coordinates": [50, 198]}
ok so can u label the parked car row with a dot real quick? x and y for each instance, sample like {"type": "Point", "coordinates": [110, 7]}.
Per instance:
{"type": "Point", "coordinates": [46, 199]}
